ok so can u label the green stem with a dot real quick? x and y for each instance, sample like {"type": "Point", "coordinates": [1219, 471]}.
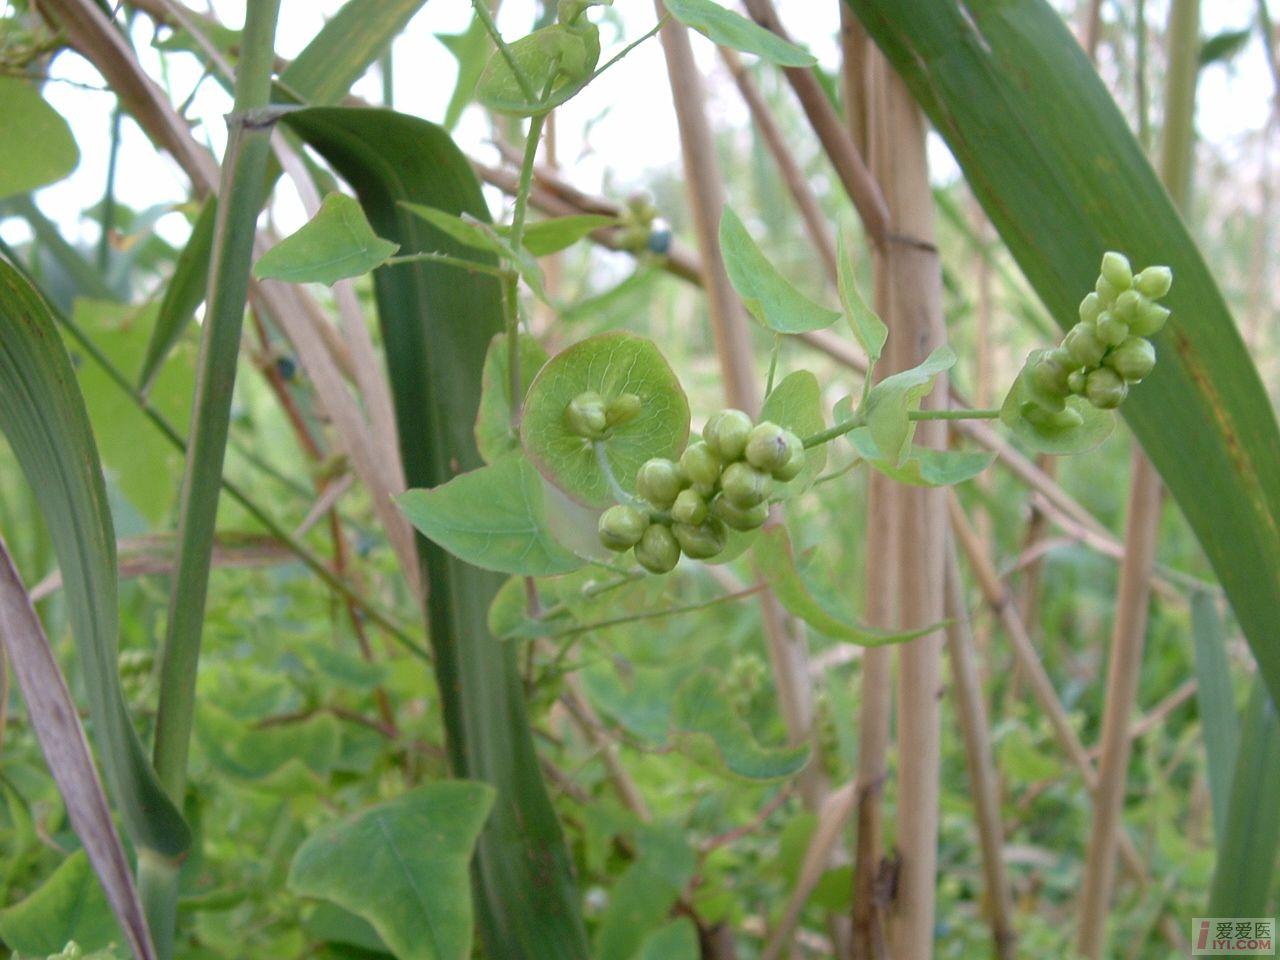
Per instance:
{"type": "Point", "coordinates": [486, 18]}
{"type": "Point", "coordinates": [450, 261]}
{"type": "Point", "coordinates": [859, 420]}
{"type": "Point", "coordinates": [653, 32]}
{"type": "Point", "coordinates": [659, 614]}
{"type": "Point", "coordinates": [773, 364]}
{"type": "Point", "coordinates": [243, 172]}
{"type": "Point", "coordinates": [510, 299]}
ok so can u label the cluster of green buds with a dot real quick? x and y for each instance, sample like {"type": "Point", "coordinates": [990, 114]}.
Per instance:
{"type": "Point", "coordinates": [1108, 350]}
{"type": "Point", "coordinates": [591, 415]}
{"type": "Point", "coordinates": [642, 227]}
{"type": "Point", "coordinates": [722, 481]}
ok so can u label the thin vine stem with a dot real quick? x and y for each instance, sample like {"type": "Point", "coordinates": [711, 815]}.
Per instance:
{"type": "Point", "coordinates": [659, 614]}
{"type": "Point", "coordinates": [859, 420]}
{"type": "Point", "coordinates": [450, 261]}
{"type": "Point", "coordinates": [486, 19]}
{"type": "Point", "coordinates": [773, 364]}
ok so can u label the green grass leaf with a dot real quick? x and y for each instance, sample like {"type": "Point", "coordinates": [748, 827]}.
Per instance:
{"type": "Point", "coordinates": [1219, 718]}
{"type": "Point", "coordinates": [43, 415]}
{"type": "Point", "coordinates": [1246, 861]}
{"type": "Point", "coordinates": [36, 146]}
{"type": "Point", "coordinates": [183, 294]}
{"type": "Point", "coordinates": [765, 292]}
{"type": "Point", "coordinates": [402, 866]}
{"type": "Point", "coordinates": [335, 244]}
{"type": "Point", "coordinates": [734, 30]}
{"type": "Point", "coordinates": [492, 518]}
{"type": "Point", "coordinates": [610, 364]}
{"type": "Point", "coordinates": [1008, 87]}
{"type": "Point", "coordinates": [437, 323]}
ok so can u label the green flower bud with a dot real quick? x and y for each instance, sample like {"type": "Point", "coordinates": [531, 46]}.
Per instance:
{"type": "Point", "coordinates": [1154, 282]}
{"type": "Point", "coordinates": [1112, 330]}
{"type": "Point", "coordinates": [700, 465]}
{"type": "Point", "coordinates": [1150, 319]}
{"type": "Point", "coordinates": [658, 551]}
{"type": "Point", "coordinates": [1090, 307]}
{"type": "Point", "coordinates": [1075, 382]}
{"type": "Point", "coordinates": [1083, 346]}
{"type": "Point", "coordinates": [689, 508]}
{"type": "Point", "coordinates": [743, 485]}
{"type": "Point", "coordinates": [1063, 419]}
{"type": "Point", "coordinates": [586, 416]}
{"type": "Point", "coordinates": [767, 447]}
{"type": "Point", "coordinates": [622, 526]}
{"type": "Point", "coordinates": [1116, 270]}
{"type": "Point", "coordinates": [700, 541]}
{"type": "Point", "coordinates": [1106, 292]}
{"type": "Point", "coordinates": [795, 462]}
{"type": "Point", "coordinates": [1133, 359]}
{"type": "Point", "coordinates": [1127, 305]}
{"type": "Point", "coordinates": [726, 434]}
{"type": "Point", "coordinates": [1105, 389]}
{"type": "Point", "coordinates": [621, 409]}
{"type": "Point", "coordinates": [660, 481]}
{"type": "Point", "coordinates": [737, 517]}
{"type": "Point", "coordinates": [1049, 378]}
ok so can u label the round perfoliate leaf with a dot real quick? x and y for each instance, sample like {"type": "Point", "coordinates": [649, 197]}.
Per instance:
{"type": "Point", "coordinates": [611, 364]}
{"type": "Point", "coordinates": [1076, 427]}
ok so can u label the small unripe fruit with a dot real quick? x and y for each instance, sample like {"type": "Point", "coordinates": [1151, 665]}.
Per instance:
{"type": "Point", "coordinates": [1150, 319]}
{"type": "Point", "coordinates": [700, 465]}
{"type": "Point", "coordinates": [1063, 419]}
{"type": "Point", "coordinates": [701, 541]}
{"type": "Point", "coordinates": [1105, 389]}
{"type": "Point", "coordinates": [1116, 270]}
{"type": "Point", "coordinates": [726, 434]}
{"type": "Point", "coordinates": [1133, 359]}
{"type": "Point", "coordinates": [1075, 382]}
{"type": "Point", "coordinates": [689, 508]}
{"type": "Point", "coordinates": [743, 485]}
{"type": "Point", "coordinates": [1083, 346]}
{"type": "Point", "coordinates": [737, 517]}
{"type": "Point", "coordinates": [659, 239]}
{"type": "Point", "coordinates": [621, 409]}
{"type": "Point", "coordinates": [767, 447]}
{"type": "Point", "coordinates": [659, 481]}
{"type": "Point", "coordinates": [622, 526]}
{"type": "Point", "coordinates": [1106, 292]}
{"type": "Point", "coordinates": [1112, 330]}
{"type": "Point", "coordinates": [586, 416]}
{"type": "Point", "coordinates": [1154, 282]}
{"type": "Point", "coordinates": [658, 551]}
{"type": "Point", "coordinates": [1127, 305]}
{"type": "Point", "coordinates": [1090, 307]}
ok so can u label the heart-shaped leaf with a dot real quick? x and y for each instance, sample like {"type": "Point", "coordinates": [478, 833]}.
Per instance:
{"type": "Point", "coordinates": [609, 364]}
{"type": "Point", "coordinates": [702, 711]}
{"type": "Point", "coordinates": [765, 292]}
{"type": "Point", "coordinates": [36, 146]}
{"type": "Point", "coordinates": [923, 467]}
{"type": "Point", "coordinates": [492, 518]}
{"type": "Point", "coordinates": [1043, 436]}
{"type": "Point", "coordinates": [544, 237]}
{"type": "Point", "coordinates": [776, 564]}
{"type": "Point", "coordinates": [559, 58]}
{"type": "Point", "coordinates": [734, 30]}
{"type": "Point", "coordinates": [889, 403]}
{"type": "Point", "coordinates": [402, 866]}
{"type": "Point", "coordinates": [335, 244]}
{"type": "Point", "coordinates": [867, 325]}
{"type": "Point", "coordinates": [494, 435]}
{"type": "Point", "coordinates": [482, 236]}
